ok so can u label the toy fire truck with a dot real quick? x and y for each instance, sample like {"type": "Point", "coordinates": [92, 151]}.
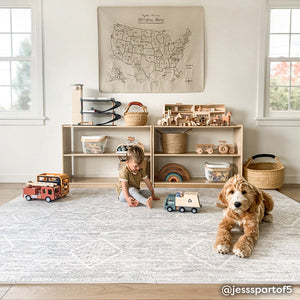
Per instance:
{"type": "Point", "coordinates": [42, 190]}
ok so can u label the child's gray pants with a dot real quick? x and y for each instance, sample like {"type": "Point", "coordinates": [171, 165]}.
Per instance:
{"type": "Point", "coordinates": [139, 195]}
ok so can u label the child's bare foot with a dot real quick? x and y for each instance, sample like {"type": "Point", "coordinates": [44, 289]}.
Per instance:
{"type": "Point", "coordinates": [149, 202]}
{"type": "Point", "coordinates": [155, 197]}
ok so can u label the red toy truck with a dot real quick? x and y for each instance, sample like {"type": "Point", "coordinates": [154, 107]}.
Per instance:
{"type": "Point", "coordinates": [40, 190]}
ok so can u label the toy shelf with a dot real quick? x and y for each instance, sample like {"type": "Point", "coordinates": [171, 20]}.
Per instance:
{"type": "Point", "coordinates": [194, 162]}
{"type": "Point", "coordinates": [89, 170]}
{"type": "Point", "coordinates": [101, 170]}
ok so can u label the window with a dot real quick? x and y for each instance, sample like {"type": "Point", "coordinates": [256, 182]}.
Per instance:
{"type": "Point", "coordinates": [21, 93]}
{"type": "Point", "coordinates": [279, 93]}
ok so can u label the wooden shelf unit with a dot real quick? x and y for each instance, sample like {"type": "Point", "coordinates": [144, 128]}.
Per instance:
{"type": "Point", "coordinates": [72, 153]}
{"type": "Point", "coordinates": [80, 177]}
{"type": "Point", "coordinates": [214, 134]}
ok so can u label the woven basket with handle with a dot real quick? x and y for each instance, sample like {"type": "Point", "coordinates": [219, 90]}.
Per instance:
{"type": "Point", "coordinates": [135, 118]}
{"type": "Point", "coordinates": [264, 175]}
{"type": "Point", "coordinates": [174, 142]}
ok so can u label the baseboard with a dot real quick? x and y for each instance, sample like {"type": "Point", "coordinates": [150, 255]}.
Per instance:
{"type": "Point", "coordinates": [16, 178]}
{"type": "Point", "coordinates": [292, 179]}
{"type": "Point", "coordinates": [20, 178]}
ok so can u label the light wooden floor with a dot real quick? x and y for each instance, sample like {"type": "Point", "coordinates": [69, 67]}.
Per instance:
{"type": "Point", "coordinates": [8, 191]}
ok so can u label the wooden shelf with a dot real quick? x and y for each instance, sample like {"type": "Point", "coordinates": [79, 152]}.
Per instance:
{"type": "Point", "coordinates": [112, 154]}
{"type": "Point", "coordinates": [190, 160]}
{"type": "Point", "coordinates": [76, 162]}
{"type": "Point", "coordinates": [106, 127]}
{"type": "Point", "coordinates": [196, 182]}
{"type": "Point", "coordinates": [198, 127]}
{"type": "Point", "coordinates": [198, 155]}
{"type": "Point", "coordinates": [95, 182]}
{"type": "Point", "coordinates": [80, 166]}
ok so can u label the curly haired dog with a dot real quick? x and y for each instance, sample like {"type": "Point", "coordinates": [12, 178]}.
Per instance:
{"type": "Point", "coordinates": [244, 205]}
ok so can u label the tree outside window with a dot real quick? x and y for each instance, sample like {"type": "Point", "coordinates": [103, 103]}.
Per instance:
{"type": "Point", "coordinates": [15, 59]}
{"type": "Point", "coordinates": [284, 60]}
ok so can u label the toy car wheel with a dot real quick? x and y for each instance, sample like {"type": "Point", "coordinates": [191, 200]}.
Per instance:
{"type": "Point", "coordinates": [194, 210]}
{"type": "Point", "coordinates": [169, 209]}
{"type": "Point", "coordinates": [210, 150]}
{"type": "Point", "coordinates": [223, 149]}
{"type": "Point", "coordinates": [28, 198]}
{"type": "Point", "coordinates": [200, 150]}
{"type": "Point", "coordinates": [182, 209]}
{"type": "Point", "coordinates": [48, 199]}
{"type": "Point", "coordinates": [231, 150]}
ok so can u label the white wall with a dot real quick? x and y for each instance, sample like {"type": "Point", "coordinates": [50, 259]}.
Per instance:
{"type": "Point", "coordinates": [70, 56]}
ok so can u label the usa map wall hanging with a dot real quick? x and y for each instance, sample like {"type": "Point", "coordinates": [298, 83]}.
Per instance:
{"type": "Point", "coordinates": [151, 49]}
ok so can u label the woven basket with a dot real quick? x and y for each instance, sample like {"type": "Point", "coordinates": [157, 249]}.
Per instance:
{"type": "Point", "coordinates": [135, 118]}
{"type": "Point", "coordinates": [174, 142]}
{"type": "Point", "coordinates": [264, 175]}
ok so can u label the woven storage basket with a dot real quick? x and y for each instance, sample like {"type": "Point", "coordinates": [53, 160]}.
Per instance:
{"type": "Point", "coordinates": [264, 175]}
{"type": "Point", "coordinates": [174, 142]}
{"type": "Point", "coordinates": [135, 118]}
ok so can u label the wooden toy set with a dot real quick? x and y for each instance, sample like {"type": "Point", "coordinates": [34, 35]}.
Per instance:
{"type": "Point", "coordinates": [222, 148]}
{"type": "Point", "coordinates": [195, 115]}
{"type": "Point", "coordinates": [49, 187]}
{"type": "Point", "coordinates": [173, 173]}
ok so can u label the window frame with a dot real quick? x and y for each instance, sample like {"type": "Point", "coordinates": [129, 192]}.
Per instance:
{"type": "Point", "coordinates": [36, 115]}
{"type": "Point", "coordinates": [263, 116]}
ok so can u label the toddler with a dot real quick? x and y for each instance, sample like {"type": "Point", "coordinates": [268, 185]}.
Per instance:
{"type": "Point", "coordinates": [130, 177]}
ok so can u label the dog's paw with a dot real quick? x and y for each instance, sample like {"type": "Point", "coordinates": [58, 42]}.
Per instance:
{"type": "Point", "coordinates": [242, 252]}
{"type": "Point", "coordinates": [222, 248]}
{"type": "Point", "coordinates": [268, 218]}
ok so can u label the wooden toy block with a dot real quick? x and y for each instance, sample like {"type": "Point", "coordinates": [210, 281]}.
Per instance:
{"type": "Point", "coordinates": [194, 115]}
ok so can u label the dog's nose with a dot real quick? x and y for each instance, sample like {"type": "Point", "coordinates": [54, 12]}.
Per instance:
{"type": "Point", "coordinates": [237, 204]}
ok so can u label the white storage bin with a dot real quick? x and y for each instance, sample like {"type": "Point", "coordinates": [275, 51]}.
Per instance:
{"type": "Point", "coordinates": [94, 144]}
{"type": "Point", "coordinates": [217, 172]}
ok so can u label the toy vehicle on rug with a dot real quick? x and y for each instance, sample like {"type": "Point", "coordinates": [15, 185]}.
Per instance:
{"type": "Point", "coordinates": [183, 201]}
{"type": "Point", "coordinates": [62, 180]}
{"type": "Point", "coordinates": [49, 187]}
{"type": "Point", "coordinates": [42, 190]}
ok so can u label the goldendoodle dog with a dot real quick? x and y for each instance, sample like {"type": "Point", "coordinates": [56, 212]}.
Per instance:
{"type": "Point", "coordinates": [245, 206]}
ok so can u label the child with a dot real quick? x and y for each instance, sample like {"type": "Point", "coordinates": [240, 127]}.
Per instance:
{"type": "Point", "coordinates": [130, 177]}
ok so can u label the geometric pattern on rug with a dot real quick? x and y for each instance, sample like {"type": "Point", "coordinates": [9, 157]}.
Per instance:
{"type": "Point", "coordinates": [90, 237]}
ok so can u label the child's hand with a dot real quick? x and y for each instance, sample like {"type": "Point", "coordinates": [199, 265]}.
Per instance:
{"type": "Point", "coordinates": [132, 202]}
{"type": "Point", "coordinates": [155, 197]}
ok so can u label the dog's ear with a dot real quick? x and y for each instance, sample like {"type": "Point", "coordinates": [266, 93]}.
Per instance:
{"type": "Point", "coordinates": [258, 197]}
{"type": "Point", "coordinates": [268, 201]}
{"type": "Point", "coordinates": [222, 199]}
